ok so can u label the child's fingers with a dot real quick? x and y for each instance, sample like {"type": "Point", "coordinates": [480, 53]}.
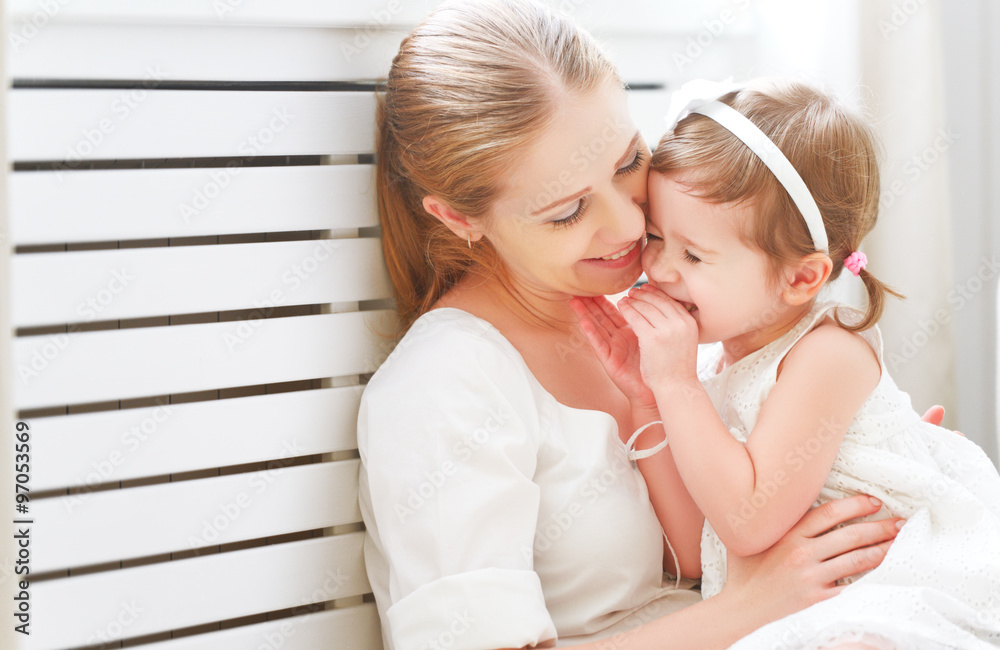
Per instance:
{"type": "Point", "coordinates": [663, 302]}
{"type": "Point", "coordinates": [635, 320]}
{"type": "Point", "coordinates": [652, 313]}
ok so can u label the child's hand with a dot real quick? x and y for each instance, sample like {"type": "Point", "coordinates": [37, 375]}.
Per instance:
{"type": "Point", "coordinates": [667, 333]}
{"type": "Point", "coordinates": [616, 346]}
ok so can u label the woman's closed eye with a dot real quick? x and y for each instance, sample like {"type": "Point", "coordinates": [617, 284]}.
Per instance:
{"type": "Point", "coordinates": [573, 217]}
{"type": "Point", "coordinates": [632, 166]}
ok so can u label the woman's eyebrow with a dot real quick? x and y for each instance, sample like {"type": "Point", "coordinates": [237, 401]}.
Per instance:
{"type": "Point", "coordinates": [565, 199]}
{"type": "Point", "coordinates": [576, 195]}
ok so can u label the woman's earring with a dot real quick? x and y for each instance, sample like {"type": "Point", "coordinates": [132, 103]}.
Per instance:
{"type": "Point", "coordinates": [469, 239]}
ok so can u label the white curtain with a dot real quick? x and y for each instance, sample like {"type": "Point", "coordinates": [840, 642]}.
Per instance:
{"type": "Point", "coordinates": [886, 56]}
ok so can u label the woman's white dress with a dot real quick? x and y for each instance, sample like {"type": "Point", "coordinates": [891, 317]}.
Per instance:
{"type": "Point", "coordinates": [497, 517]}
{"type": "Point", "coordinates": [939, 585]}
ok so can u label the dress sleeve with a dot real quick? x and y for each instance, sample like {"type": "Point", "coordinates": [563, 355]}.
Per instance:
{"type": "Point", "coordinates": [449, 437]}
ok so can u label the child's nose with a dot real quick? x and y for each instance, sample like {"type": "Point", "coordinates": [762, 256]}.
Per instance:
{"type": "Point", "coordinates": [658, 267]}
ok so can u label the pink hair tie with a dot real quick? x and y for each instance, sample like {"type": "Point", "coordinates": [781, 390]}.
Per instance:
{"type": "Point", "coordinates": [855, 262]}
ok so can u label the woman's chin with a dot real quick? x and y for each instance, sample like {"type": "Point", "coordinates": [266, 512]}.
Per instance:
{"type": "Point", "coordinates": [619, 283]}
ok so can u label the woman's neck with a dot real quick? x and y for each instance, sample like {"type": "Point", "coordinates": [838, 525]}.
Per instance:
{"type": "Point", "coordinates": [511, 304]}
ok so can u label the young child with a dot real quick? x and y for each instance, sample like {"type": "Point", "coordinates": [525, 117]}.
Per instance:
{"type": "Point", "coordinates": [759, 196]}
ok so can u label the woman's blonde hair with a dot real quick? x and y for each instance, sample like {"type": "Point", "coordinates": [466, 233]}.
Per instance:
{"type": "Point", "coordinates": [834, 150]}
{"type": "Point", "coordinates": [469, 90]}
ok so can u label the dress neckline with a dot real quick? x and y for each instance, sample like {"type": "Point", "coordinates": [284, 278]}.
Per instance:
{"type": "Point", "coordinates": [803, 325]}
{"type": "Point", "coordinates": [490, 328]}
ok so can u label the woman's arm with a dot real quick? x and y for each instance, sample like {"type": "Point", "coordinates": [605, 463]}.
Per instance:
{"type": "Point", "coordinates": [618, 350]}
{"type": "Point", "coordinates": [801, 569]}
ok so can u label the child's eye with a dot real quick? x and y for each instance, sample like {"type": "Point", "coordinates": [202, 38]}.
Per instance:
{"type": "Point", "coordinates": [632, 166]}
{"type": "Point", "coordinates": [691, 258]}
{"type": "Point", "coordinates": [573, 218]}
{"type": "Point", "coordinates": [651, 237]}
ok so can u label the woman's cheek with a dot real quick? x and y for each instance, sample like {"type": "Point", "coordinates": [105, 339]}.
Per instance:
{"type": "Point", "coordinates": [648, 258]}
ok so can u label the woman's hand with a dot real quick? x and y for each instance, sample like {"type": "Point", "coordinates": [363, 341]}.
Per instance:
{"type": "Point", "coordinates": [935, 415]}
{"type": "Point", "coordinates": [803, 567]}
{"type": "Point", "coordinates": [616, 346]}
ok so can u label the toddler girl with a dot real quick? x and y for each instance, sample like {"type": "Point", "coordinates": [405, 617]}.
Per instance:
{"type": "Point", "coordinates": [759, 196]}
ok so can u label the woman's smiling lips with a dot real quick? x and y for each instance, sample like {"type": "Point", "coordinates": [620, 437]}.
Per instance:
{"type": "Point", "coordinates": [620, 258]}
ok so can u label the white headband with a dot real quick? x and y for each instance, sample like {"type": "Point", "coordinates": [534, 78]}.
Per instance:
{"type": "Point", "coordinates": [700, 96]}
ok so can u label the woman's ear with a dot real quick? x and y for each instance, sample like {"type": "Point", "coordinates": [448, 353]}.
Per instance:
{"type": "Point", "coordinates": [804, 279]}
{"type": "Point", "coordinates": [457, 222]}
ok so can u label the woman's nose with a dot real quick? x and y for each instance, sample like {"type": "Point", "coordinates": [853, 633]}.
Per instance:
{"type": "Point", "coordinates": [625, 221]}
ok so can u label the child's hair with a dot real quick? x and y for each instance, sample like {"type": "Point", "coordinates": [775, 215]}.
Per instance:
{"type": "Point", "coordinates": [469, 90]}
{"type": "Point", "coordinates": [835, 152]}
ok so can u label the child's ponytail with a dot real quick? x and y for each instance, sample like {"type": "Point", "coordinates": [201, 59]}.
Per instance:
{"type": "Point", "coordinates": [876, 290]}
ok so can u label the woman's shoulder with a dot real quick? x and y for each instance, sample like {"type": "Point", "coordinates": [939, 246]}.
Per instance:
{"type": "Point", "coordinates": [446, 343]}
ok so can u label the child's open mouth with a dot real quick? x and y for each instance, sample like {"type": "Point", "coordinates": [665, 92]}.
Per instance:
{"type": "Point", "coordinates": [690, 307]}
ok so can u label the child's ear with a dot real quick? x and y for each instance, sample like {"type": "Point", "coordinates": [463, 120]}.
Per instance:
{"type": "Point", "coordinates": [805, 278]}
{"type": "Point", "coordinates": [457, 222]}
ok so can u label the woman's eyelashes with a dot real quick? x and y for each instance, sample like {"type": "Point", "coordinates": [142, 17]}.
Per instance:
{"type": "Point", "coordinates": [577, 214]}
{"type": "Point", "coordinates": [632, 166]}
{"type": "Point", "coordinates": [581, 207]}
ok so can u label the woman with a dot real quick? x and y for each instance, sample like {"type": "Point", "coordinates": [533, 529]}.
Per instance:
{"type": "Point", "coordinates": [500, 505]}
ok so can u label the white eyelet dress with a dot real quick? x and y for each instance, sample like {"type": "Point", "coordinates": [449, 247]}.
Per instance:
{"type": "Point", "coordinates": [497, 517]}
{"type": "Point", "coordinates": [939, 585]}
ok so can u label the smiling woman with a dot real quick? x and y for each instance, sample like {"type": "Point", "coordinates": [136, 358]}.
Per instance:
{"type": "Point", "coordinates": [500, 506]}
{"type": "Point", "coordinates": [588, 237]}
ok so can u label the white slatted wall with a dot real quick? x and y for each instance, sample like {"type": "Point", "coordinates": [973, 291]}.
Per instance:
{"type": "Point", "coordinates": [193, 281]}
